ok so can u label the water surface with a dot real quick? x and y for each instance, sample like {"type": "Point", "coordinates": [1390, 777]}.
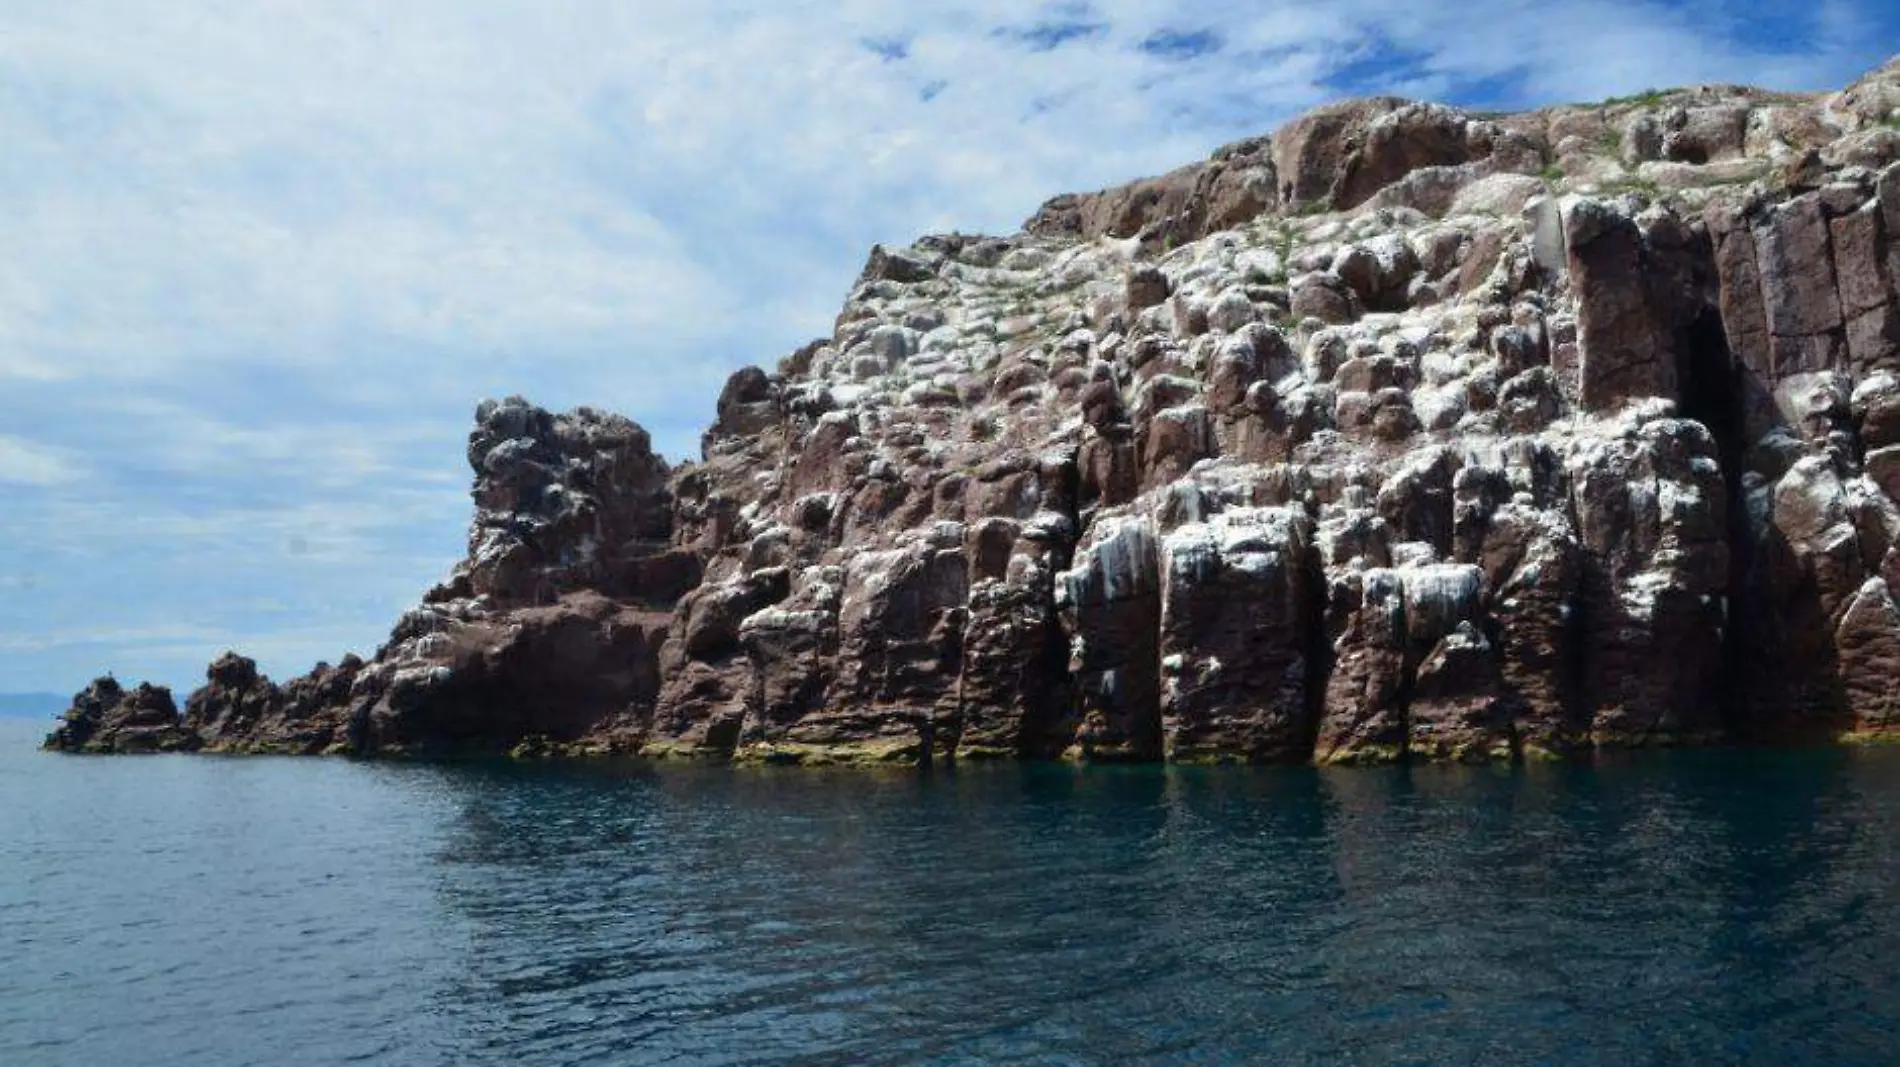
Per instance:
{"type": "Point", "coordinates": [1690, 908]}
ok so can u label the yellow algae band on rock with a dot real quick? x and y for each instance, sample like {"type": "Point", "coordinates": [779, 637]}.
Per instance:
{"type": "Point", "coordinates": [1401, 433]}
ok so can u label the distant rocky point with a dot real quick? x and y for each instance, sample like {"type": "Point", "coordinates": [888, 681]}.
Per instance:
{"type": "Point", "coordinates": [1404, 433]}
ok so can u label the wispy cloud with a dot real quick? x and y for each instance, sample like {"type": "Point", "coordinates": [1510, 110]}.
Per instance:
{"type": "Point", "coordinates": [890, 49]}
{"type": "Point", "coordinates": [24, 463]}
{"type": "Point", "coordinates": [1049, 36]}
{"type": "Point", "coordinates": [262, 259]}
{"type": "Point", "coordinates": [1181, 45]}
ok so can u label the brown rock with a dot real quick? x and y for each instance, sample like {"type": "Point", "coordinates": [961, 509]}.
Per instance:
{"type": "Point", "coordinates": [1860, 268]}
{"type": "Point", "coordinates": [1457, 710]}
{"type": "Point", "coordinates": [1235, 185]}
{"type": "Point", "coordinates": [895, 265]}
{"type": "Point", "coordinates": [1799, 293]}
{"type": "Point", "coordinates": [1650, 509]}
{"type": "Point", "coordinates": [1172, 441]}
{"type": "Point", "coordinates": [105, 718]}
{"type": "Point", "coordinates": [1324, 297]}
{"type": "Point", "coordinates": [1014, 696]}
{"type": "Point", "coordinates": [1341, 154]}
{"type": "Point", "coordinates": [1239, 608]}
{"type": "Point", "coordinates": [1531, 565]}
{"type": "Point", "coordinates": [1868, 640]}
{"type": "Point", "coordinates": [557, 671]}
{"type": "Point", "coordinates": [748, 404]}
{"type": "Point", "coordinates": [1146, 287]}
{"type": "Point", "coordinates": [1036, 495]}
{"type": "Point", "coordinates": [901, 621]}
{"type": "Point", "coordinates": [234, 701]}
{"type": "Point", "coordinates": [1110, 602]}
{"type": "Point", "coordinates": [1364, 712]}
{"type": "Point", "coordinates": [1619, 332]}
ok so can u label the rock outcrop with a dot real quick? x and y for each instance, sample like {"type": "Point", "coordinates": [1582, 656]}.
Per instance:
{"type": "Point", "coordinates": [105, 717]}
{"type": "Point", "coordinates": [1402, 433]}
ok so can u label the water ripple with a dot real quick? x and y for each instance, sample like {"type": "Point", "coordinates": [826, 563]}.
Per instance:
{"type": "Point", "coordinates": [1696, 908]}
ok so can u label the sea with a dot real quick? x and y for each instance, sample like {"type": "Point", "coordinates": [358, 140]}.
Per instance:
{"type": "Point", "coordinates": [1699, 907]}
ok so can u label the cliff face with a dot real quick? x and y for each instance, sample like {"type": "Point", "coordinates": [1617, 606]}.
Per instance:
{"type": "Point", "coordinates": [1402, 433]}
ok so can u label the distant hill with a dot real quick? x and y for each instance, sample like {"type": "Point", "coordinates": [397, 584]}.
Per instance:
{"type": "Point", "coordinates": [32, 705]}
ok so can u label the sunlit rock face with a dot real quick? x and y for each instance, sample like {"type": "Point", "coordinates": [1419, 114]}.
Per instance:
{"type": "Point", "coordinates": [1401, 433]}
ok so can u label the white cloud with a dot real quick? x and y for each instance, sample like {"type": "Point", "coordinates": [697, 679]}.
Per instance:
{"type": "Point", "coordinates": [262, 258]}
{"type": "Point", "coordinates": [14, 644]}
{"type": "Point", "coordinates": [23, 463]}
{"type": "Point", "coordinates": [286, 181]}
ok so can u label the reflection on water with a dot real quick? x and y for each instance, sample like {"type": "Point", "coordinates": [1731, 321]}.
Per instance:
{"type": "Point", "coordinates": [1694, 908]}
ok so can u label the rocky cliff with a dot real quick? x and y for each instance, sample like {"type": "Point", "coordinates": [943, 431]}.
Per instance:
{"type": "Point", "coordinates": [1404, 432]}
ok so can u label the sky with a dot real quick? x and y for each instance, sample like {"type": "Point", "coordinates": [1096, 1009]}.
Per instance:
{"type": "Point", "coordinates": [260, 259]}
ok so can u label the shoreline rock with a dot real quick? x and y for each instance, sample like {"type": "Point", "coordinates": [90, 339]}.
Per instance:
{"type": "Point", "coordinates": [1400, 434]}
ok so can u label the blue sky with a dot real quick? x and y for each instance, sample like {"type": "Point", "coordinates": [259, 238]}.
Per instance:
{"type": "Point", "coordinates": [260, 260]}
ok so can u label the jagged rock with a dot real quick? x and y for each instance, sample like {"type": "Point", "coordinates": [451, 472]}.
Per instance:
{"type": "Point", "coordinates": [106, 718]}
{"type": "Point", "coordinates": [1172, 441]}
{"type": "Point", "coordinates": [748, 404]}
{"type": "Point", "coordinates": [235, 698]}
{"type": "Point", "coordinates": [900, 646]}
{"type": "Point", "coordinates": [240, 710]}
{"type": "Point", "coordinates": [1399, 434]}
{"type": "Point", "coordinates": [895, 265]}
{"type": "Point", "coordinates": [563, 502]}
{"type": "Point", "coordinates": [1340, 155]}
{"type": "Point", "coordinates": [311, 715]}
{"type": "Point", "coordinates": [1235, 185]}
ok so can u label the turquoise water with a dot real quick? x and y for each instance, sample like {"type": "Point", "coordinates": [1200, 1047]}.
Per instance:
{"type": "Point", "coordinates": [1697, 908]}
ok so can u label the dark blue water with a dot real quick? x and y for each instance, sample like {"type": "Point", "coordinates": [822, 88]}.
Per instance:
{"type": "Point", "coordinates": [1698, 908]}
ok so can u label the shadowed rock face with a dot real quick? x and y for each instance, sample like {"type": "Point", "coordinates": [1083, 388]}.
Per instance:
{"type": "Point", "coordinates": [1399, 434]}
